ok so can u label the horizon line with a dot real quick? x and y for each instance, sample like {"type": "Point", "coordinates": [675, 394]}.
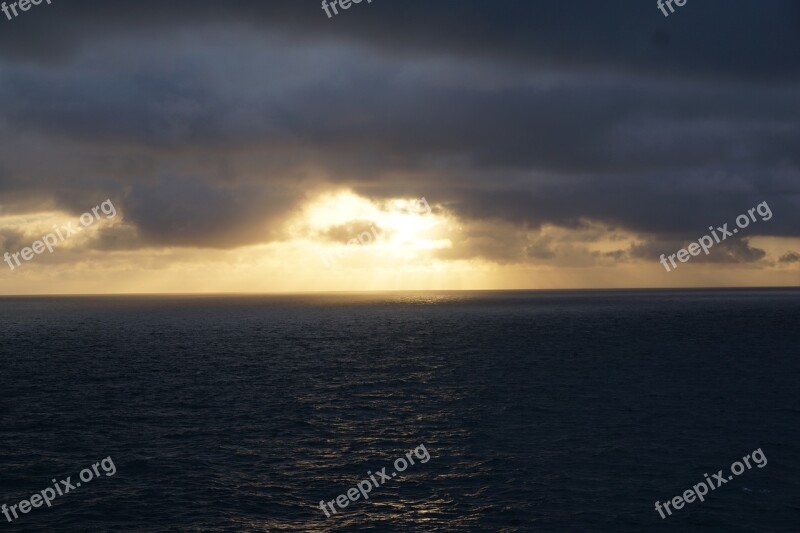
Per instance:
{"type": "Point", "coordinates": [322, 293]}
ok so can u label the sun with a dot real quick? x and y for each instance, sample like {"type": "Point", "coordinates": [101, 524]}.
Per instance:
{"type": "Point", "coordinates": [397, 225]}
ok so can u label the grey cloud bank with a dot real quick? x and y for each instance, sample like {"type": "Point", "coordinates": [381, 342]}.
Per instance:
{"type": "Point", "coordinates": [539, 116]}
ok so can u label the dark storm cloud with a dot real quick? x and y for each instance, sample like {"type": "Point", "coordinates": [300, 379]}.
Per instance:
{"type": "Point", "coordinates": [790, 257]}
{"type": "Point", "coordinates": [209, 121]}
{"type": "Point", "coordinates": [11, 240]}
{"type": "Point", "coordinates": [343, 233]}
{"type": "Point", "coordinates": [736, 38]}
{"type": "Point", "coordinates": [728, 251]}
{"type": "Point", "coordinates": [185, 211]}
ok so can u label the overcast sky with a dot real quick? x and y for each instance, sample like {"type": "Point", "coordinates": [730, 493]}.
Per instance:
{"type": "Point", "coordinates": [559, 144]}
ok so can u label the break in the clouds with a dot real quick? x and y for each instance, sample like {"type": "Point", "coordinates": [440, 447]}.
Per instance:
{"type": "Point", "coordinates": [211, 124]}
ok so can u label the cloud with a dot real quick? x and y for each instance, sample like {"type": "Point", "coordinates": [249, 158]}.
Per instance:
{"type": "Point", "coordinates": [186, 211]}
{"type": "Point", "coordinates": [211, 124]}
{"type": "Point", "coordinates": [342, 233]}
{"type": "Point", "coordinates": [703, 40]}
{"type": "Point", "coordinates": [11, 240]}
{"type": "Point", "coordinates": [728, 251]}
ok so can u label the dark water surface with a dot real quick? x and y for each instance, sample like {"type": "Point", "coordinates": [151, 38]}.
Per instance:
{"type": "Point", "coordinates": [547, 411]}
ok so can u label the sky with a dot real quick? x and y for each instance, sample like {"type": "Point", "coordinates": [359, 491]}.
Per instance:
{"type": "Point", "coordinates": [262, 146]}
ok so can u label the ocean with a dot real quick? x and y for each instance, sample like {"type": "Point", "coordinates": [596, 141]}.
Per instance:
{"type": "Point", "coordinates": [540, 411]}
